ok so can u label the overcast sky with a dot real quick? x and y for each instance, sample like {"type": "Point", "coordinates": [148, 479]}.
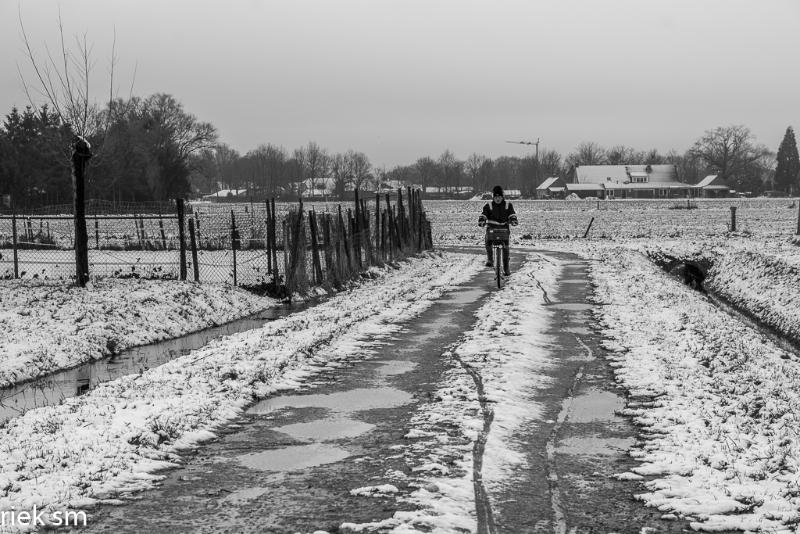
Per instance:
{"type": "Point", "coordinates": [403, 79]}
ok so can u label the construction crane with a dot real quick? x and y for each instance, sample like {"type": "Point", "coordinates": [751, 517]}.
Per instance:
{"type": "Point", "coordinates": [536, 144]}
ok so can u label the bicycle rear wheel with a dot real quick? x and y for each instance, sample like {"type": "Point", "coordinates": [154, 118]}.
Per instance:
{"type": "Point", "coordinates": [498, 260]}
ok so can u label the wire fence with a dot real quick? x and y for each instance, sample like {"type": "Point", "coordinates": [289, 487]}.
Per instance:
{"type": "Point", "coordinates": [280, 248]}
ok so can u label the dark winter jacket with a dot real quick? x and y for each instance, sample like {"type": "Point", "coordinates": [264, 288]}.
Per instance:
{"type": "Point", "coordinates": [499, 212]}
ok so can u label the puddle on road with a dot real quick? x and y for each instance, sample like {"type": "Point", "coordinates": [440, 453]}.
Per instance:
{"type": "Point", "coordinates": [594, 445]}
{"type": "Point", "coordinates": [595, 405]}
{"type": "Point", "coordinates": [396, 367]}
{"type": "Point", "coordinates": [572, 306]}
{"type": "Point", "coordinates": [467, 296]}
{"type": "Point", "coordinates": [326, 429]}
{"type": "Point", "coordinates": [353, 400]}
{"type": "Point", "coordinates": [294, 458]}
{"type": "Point", "coordinates": [582, 330]}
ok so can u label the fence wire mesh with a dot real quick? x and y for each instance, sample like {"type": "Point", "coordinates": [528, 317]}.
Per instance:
{"type": "Point", "coordinates": [281, 247]}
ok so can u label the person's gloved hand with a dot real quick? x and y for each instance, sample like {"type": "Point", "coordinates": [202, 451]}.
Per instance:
{"type": "Point", "coordinates": [482, 221]}
{"type": "Point", "coordinates": [513, 220]}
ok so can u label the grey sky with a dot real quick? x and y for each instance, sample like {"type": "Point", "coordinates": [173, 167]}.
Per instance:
{"type": "Point", "coordinates": [402, 79]}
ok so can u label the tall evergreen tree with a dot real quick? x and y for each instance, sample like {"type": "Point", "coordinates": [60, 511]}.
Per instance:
{"type": "Point", "coordinates": [787, 174]}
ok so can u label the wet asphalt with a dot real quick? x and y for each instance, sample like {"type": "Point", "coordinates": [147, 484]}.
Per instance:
{"type": "Point", "coordinates": [288, 464]}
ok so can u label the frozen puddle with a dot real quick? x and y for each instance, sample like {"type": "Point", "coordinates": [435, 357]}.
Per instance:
{"type": "Point", "coordinates": [294, 458]}
{"type": "Point", "coordinates": [582, 330]}
{"type": "Point", "coordinates": [595, 405]}
{"type": "Point", "coordinates": [396, 367]}
{"type": "Point", "coordinates": [326, 429]}
{"type": "Point", "coordinates": [464, 297]}
{"type": "Point", "coordinates": [353, 400]}
{"type": "Point", "coordinates": [594, 446]}
{"type": "Point", "coordinates": [571, 306]}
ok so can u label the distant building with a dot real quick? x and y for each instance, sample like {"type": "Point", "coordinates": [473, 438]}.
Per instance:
{"type": "Point", "coordinates": [712, 186]}
{"type": "Point", "coordinates": [586, 190]}
{"type": "Point", "coordinates": [226, 193]}
{"type": "Point", "coordinates": [629, 181]}
{"type": "Point", "coordinates": [553, 187]}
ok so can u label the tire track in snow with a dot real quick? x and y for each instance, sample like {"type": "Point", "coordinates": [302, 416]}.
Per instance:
{"type": "Point", "coordinates": [559, 516]}
{"type": "Point", "coordinates": [483, 507]}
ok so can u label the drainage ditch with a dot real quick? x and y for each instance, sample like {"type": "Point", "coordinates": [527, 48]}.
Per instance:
{"type": "Point", "coordinates": [53, 388]}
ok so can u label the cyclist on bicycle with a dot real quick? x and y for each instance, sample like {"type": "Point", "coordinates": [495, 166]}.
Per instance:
{"type": "Point", "coordinates": [498, 214]}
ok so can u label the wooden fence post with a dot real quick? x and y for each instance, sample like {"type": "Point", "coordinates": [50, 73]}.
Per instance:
{"type": "Point", "coordinates": [181, 237]}
{"type": "Point", "coordinates": [274, 237]}
{"type": "Point", "coordinates": [14, 243]}
{"type": "Point", "coordinates": [197, 226]}
{"type": "Point", "coordinates": [286, 274]}
{"type": "Point", "coordinates": [355, 228]}
{"type": "Point", "coordinates": [80, 156]}
{"type": "Point", "coordinates": [330, 269]}
{"type": "Point", "coordinates": [267, 242]}
{"type": "Point", "coordinates": [317, 265]}
{"type": "Point", "coordinates": [345, 243]}
{"type": "Point", "coordinates": [586, 233]}
{"type": "Point", "coordinates": [195, 266]}
{"type": "Point", "coordinates": [798, 216]}
{"type": "Point", "coordinates": [164, 236]}
{"type": "Point", "coordinates": [378, 251]}
{"type": "Point", "coordinates": [733, 218]}
{"type": "Point", "coordinates": [96, 234]}
{"type": "Point", "coordinates": [234, 246]}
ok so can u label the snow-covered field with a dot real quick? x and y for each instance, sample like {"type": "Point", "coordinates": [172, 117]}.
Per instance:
{"type": "Point", "coordinates": [112, 440]}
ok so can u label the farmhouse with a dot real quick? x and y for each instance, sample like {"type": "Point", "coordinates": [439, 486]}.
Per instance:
{"type": "Point", "coordinates": [627, 181]}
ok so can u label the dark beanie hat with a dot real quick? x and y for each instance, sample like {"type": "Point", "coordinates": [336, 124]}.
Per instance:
{"type": "Point", "coordinates": [497, 191]}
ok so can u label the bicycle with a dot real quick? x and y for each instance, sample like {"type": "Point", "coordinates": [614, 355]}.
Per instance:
{"type": "Point", "coordinates": [498, 237]}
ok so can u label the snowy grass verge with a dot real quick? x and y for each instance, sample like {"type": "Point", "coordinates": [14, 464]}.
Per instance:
{"type": "Point", "coordinates": [112, 440]}
{"type": "Point", "coordinates": [760, 278]}
{"type": "Point", "coordinates": [50, 326]}
{"type": "Point", "coordinates": [717, 401]}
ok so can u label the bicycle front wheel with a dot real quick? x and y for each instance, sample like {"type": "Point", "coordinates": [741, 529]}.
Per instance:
{"type": "Point", "coordinates": [498, 260]}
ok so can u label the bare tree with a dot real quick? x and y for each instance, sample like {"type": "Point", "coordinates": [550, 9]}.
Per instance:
{"type": "Point", "coordinates": [315, 162]}
{"type": "Point", "coordinates": [728, 151]}
{"type": "Point", "coordinates": [426, 170]}
{"type": "Point", "coordinates": [550, 161]}
{"type": "Point", "coordinates": [587, 153]}
{"type": "Point", "coordinates": [360, 167]}
{"type": "Point", "coordinates": [341, 173]}
{"type": "Point", "coordinates": [620, 155]}
{"type": "Point", "coordinates": [473, 166]}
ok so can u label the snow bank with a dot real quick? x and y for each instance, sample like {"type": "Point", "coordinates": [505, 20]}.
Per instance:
{"type": "Point", "coordinates": [760, 277]}
{"type": "Point", "coordinates": [111, 440]}
{"type": "Point", "coordinates": [49, 326]}
{"type": "Point", "coordinates": [716, 400]}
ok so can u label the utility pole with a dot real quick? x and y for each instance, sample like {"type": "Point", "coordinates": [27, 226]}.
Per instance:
{"type": "Point", "coordinates": [536, 144]}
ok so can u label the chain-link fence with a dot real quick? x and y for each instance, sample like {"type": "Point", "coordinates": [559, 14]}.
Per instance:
{"type": "Point", "coordinates": [280, 247]}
